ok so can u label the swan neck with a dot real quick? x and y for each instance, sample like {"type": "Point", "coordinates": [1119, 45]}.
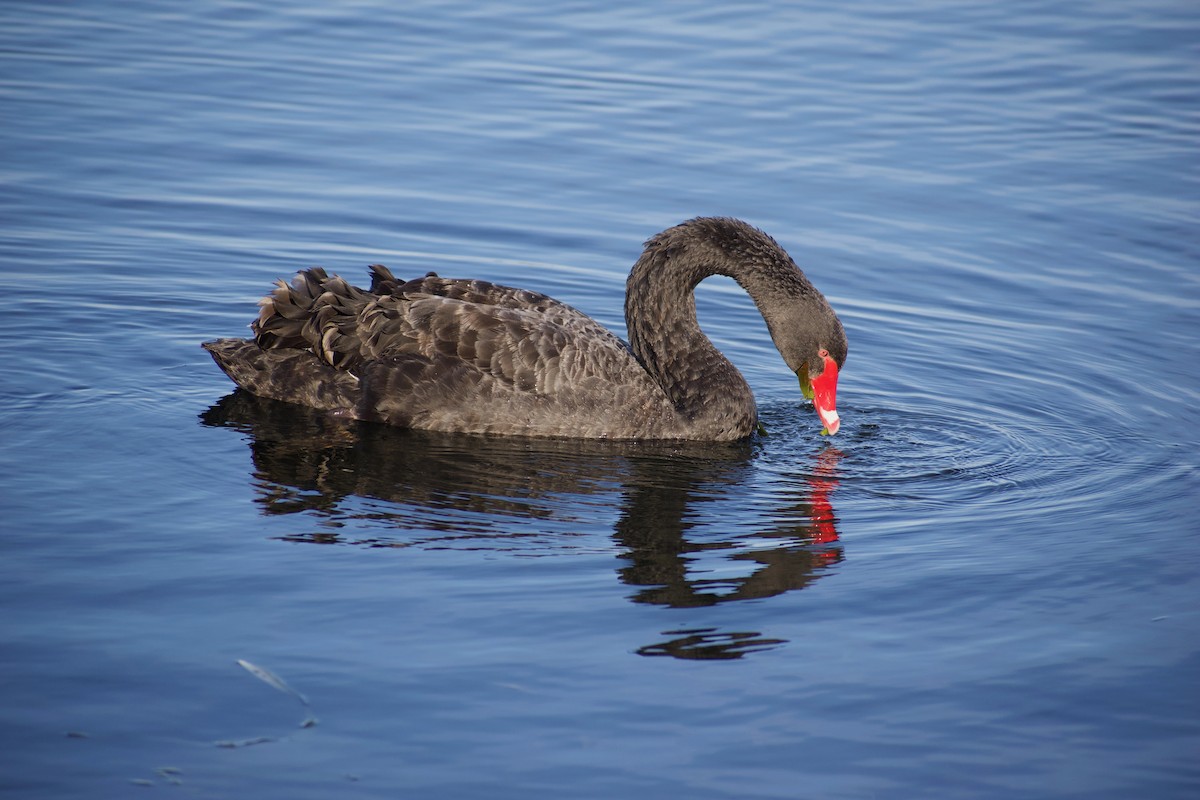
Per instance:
{"type": "Point", "coordinates": [665, 337]}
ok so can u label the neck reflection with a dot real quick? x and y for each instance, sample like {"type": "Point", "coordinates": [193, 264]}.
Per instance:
{"type": "Point", "coordinates": [684, 560]}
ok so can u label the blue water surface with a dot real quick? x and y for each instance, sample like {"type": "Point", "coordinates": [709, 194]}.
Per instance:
{"type": "Point", "coordinates": [985, 586]}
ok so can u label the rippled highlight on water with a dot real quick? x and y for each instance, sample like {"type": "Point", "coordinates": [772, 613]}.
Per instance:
{"type": "Point", "coordinates": [984, 586]}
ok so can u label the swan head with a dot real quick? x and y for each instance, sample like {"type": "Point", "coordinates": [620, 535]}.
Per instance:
{"type": "Point", "coordinates": [812, 341]}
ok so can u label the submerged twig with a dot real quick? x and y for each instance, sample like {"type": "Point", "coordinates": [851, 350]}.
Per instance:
{"type": "Point", "coordinates": [276, 682]}
{"type": "Point", "coordinates": [271, 679]}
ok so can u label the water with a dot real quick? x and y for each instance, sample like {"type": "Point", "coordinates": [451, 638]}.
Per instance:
{"type": "Point", "coordinates": [984, 586]}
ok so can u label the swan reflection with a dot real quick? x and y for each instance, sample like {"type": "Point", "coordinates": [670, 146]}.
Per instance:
{"type": "Point", "coordinates": [689, 535]}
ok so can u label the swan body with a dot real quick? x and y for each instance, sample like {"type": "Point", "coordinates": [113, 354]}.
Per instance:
{"type": "Point", "coordinates": [474, 357]}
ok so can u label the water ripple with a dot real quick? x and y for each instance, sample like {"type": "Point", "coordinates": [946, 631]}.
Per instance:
{"type": "Point", "coordinates": [983, 460]}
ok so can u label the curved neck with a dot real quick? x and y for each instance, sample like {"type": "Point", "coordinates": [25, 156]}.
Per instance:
{"type": "Point", "coordinates": [665, 336]}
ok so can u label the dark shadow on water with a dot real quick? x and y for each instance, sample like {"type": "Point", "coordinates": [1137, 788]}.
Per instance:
{"type": "Point", "coordinates": [371, 485]}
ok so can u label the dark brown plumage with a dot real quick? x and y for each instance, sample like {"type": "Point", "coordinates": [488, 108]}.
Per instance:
{"type": "Point", "coordinates": [471, 356]}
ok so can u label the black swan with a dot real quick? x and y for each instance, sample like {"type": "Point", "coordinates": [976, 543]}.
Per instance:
{"type": "Point", "coordinates": [473, 357]}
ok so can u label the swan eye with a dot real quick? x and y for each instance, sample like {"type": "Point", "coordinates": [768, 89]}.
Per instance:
{"type": "Point", "coordinates": [823, 353]}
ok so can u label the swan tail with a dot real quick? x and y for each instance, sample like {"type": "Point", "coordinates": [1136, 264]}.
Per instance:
{"type": "Point", "coordinates": [291, 375]}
